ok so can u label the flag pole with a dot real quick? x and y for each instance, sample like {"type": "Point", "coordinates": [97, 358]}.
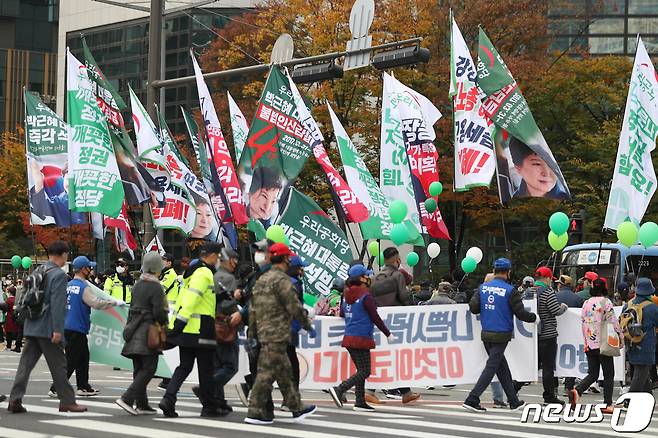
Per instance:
{"type": "Point", "coordinates": [27, 158]}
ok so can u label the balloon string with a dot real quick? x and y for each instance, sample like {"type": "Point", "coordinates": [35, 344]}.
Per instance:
{"type": "Point", "coordinates": [461, 281]}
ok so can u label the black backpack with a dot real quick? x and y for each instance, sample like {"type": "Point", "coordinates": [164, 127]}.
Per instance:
{"type": "Point", "coordinates": [29, 304]}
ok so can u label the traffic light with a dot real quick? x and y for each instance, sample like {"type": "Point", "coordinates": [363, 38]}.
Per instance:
{"type": "Point", "coordinates": [577, 228]}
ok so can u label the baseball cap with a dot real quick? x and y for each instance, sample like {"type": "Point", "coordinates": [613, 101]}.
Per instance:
{"type": "Point", "coordinates": [528, 280]}
{"type": "Point", "coordinates": [168, 257]}
{"type": "Point", "coordinates": [121, 261]}
{"type": "Point", "coordinates": [81, 262]}
{"type": "Point", "coordinates": [357, 271]}
{"type": "Point", "coordinates": [566, 280]}
{"type": "Point", "coordinates": [281, 249]}
{"type": "Point", "coordinates": [444, 286]}
{"type": "Point", "coordinates": [502, 263]}
{"type": "Point", "coordinates": [591, 276]}
{"type": "Point", "coordinates": [544, 272]}
{"type": "Point", "coordinates": [210, 248]}
{"type": "Point", "coordinates": [298, 261]}
{"type": "Point", "coordinates": [644, 287]}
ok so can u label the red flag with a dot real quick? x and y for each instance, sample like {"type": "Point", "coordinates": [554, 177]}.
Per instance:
{"type": "Point", "coordinates": [354, 209]}
{"type": "Point", "coordinates": [124, 238]}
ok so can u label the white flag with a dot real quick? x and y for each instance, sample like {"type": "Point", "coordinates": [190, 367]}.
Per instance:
{"type": "Point", "coordinates": [634, 179]}
{"type": "Point", "coordinates": [149, 145]}
{"type": "Point", "coordinates": [155, 245]}
{"type": "Point", "coordinates": [239, 126]}
{"type": "Point", "coordinates": [474, 155]}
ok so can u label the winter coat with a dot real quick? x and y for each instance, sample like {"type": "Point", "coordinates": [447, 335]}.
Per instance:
{"type": "Point", "coordinates": [147, 307]}
{"type": "Point", "coordinates": [10, 322]}
{"type": "Point", "coordinates": [54, 302]}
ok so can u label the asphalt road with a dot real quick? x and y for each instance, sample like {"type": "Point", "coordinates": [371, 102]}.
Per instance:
{"type": "Point", "coordinates": [437, 414]}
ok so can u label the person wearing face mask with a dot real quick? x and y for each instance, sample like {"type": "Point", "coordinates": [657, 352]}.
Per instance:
{"type": "Point", "coordinates": [119, 285]}
{"type": "Point", "coordinates": [360, 312]}
{"type": "Point", "coordinates": [192, 329]}
{"type": "Point", "coordinates": [80, 300]}
{"type": "Point", "coordinates": [497, 302]}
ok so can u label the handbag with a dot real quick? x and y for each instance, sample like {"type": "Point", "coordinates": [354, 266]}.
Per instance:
{"type": "Point", "coordinates": [610, 342]}
{"type": "Point", "coordinates": [157, 337]}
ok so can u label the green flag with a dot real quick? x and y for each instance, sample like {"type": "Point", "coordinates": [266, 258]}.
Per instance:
{"type": "Point", "coordinates": [94, 179]}
{"type": "Point", "coordinates": [526, 166]}
{"type": "Point", "coordinates": [317, 240]}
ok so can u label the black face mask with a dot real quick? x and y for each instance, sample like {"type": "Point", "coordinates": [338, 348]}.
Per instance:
{"type": "Point", "coordinates": [367, 283]}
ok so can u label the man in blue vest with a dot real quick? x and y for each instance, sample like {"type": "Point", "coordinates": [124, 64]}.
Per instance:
{"type": "Point", "coordinates": [79, 302]}
{"type": "Point", "coordinates": [497, 302]}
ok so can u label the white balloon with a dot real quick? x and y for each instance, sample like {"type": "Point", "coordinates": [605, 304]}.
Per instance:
{"type": "Point", "coordinates": [476, 253]}
{"type": "Point", "coordinates": [433, 250]}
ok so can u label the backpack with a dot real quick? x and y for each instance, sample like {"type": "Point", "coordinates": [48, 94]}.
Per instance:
{"type": "Point", "coordinates": [29, 304]}
{"type": "Point", "coordinates": [630, 322]}
{"type": "Point", "coordinates": [384, 290]}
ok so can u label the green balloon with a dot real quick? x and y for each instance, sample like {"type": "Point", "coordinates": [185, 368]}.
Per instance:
{"type": "Point", "coordinates": [430, 205]}
{"type": "Point", "coordinates": [399, 234]}
{"type": "Point", "coordinates": [412, 230]}
{"type": "Point", "coordinates": [559, 223]}
{"type": "Point", "coordinates": [557, 242]}
{"type": "Point", "coordinates": [16, 261]}
{"type": "Point", "coordinates": [398, 211]}
{"type": "Point", "coordinates": [380, 259]}
{"type": "Point", "coordinates": [26, 262]}
{"type": "Point", "coordinates": [373, 248]}
{"type": "Point", "coordinates": [412, 259]}
{"type": "Point", "coordinates": [276, 234]}
{"type": "Point", "coordinates": [648, 234]}
{"type": "Point", "coordinates": [436, 188]}
{"type": "Point", "coordinates": [627, 234]}
{"type": "Point", "coordinates": [469, 264]}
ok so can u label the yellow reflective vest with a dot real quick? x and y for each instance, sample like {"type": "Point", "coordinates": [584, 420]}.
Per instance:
{"type": "Point", "coordinates": [171, 286]}
{"type": "Point", "coordinates": [195, 306]}
{"type": "Point", "coordinates": [114, 287]}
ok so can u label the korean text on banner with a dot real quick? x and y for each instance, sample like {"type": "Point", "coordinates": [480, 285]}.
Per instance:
{"type": "Point", "coordinates": [94, 180]}
{"type": "Point", "coordinates": [474, 155]}
{"type": "Point", "coordinates": [364, 186]}
{"type": "Point", "coordinates": [239, 126]}
{"type": "Point", "coordinates": [634, 179]}
{"type": "Point", "coordinates": [219, 150]}
{"type": "Point", "coordinates": [46, 143]}
{"type": "Point", "coordinates": [526, 166]}
{"type": "Point", "coordinates": [317, 239]}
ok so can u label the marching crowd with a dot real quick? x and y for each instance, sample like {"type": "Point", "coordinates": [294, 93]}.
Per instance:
{"type": "Point", "coordinates": [201, 311]}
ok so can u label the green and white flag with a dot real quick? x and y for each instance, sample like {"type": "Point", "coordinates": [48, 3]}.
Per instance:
{"type": "Point", "coordinates": [364, 186]}
{"type": "Point", "coordinates": [317, 240]}
{"type": "Point", "coordinates": [634, 178]}
{"type": "Point", "coordinates": [94, 179]}
{"type": "Point", "coordinates": [526, 166]}
{"type": "Point", "coordinates": [239, 126]}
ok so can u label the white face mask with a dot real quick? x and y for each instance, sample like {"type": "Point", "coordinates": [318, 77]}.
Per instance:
{"type": "Point", "coordinates": [218, 263]}
{"type": "Point", "coordinates": [120, 269]}
{"type": "Point", "coordinates": [259, 258]}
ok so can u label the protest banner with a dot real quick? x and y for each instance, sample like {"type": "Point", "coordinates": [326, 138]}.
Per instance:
{"type": "Point", "coordinates": [239, 126]}
{"type": "Point", "coordinates": [94, 179]}
{"type": "Point", "coordinates": [526, 166]}
{"type": "Point", "coordinates": [474, 155]}
{"type": "Point", "coordinates": [318, 241]}
{"type": "Point", "coordinates": [46, 147]}
{"type": "Point", "coordinates": [634, 179]}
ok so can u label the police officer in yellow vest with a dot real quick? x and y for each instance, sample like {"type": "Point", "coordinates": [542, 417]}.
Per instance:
{"type": "Point", "coordinates": [120, 285]}
{"type": "Point", "coordinates": [169, 280]}
{"type": "Point", "coordinates": [192, 328]}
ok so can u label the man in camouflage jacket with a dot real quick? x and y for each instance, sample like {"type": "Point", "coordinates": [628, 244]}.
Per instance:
{"type": "Point", "coordinates": [274, 304]}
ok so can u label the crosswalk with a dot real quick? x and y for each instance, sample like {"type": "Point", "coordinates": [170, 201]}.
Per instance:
{"type": "Point", "coordinates": [423, 420]}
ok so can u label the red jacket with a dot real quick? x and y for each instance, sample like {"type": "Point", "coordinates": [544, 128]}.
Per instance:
{"type": "Point", "coordinates": [10, 324]}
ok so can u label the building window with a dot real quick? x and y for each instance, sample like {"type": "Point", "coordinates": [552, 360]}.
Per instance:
{"type": "Point", "coordinates": [643, 7]}
{"type": "Point", "coordinates": [606, 45]}
{"type": "Point", "coordinates": [606, 26]}
{"type": "Point", "coordinates": [643, 26]}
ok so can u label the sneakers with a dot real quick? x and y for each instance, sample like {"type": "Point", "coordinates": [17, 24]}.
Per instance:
{"type": "Point", "coordinates": [88, 392]}
{"type": "Point", "coordinates": [372, 398]}
{"type": "Point", "coordinates": [300, 415]}
{"type": "Point", "coordinates": [363, 407]}
{"type": "Point", "coordinates": [284, 408]}
{"type": "Point", "coordinates": [573, 398]}
{"type": "Point", "coordinates": [243, 393]}
{"type": "Point", "coordinates": [593, 390]}
{"type": "Point", "coordinates": [473, 407]}
{"type": "Point", "coordinates": [126, 406]}
{"type": "Point", "coordinates": [554, 400]}
{"type": "Point", "coordinates": [608, 410]}
{"type": "Point", "coordinates": [146, 410]}
{"type": "Point", "coordinates": [624, 390]}
{"type": "Point", "coordinates": [392, 394]}
{"type": "Point", "coordinates": [499, 404]}
{"type": "Point", "coordinates": [410, 396]}
{"type": "Point", "coordinates": [162, 386]}
{"type": "Point", "coordinates": [72, 408]}
{"type": "Point", "coordinates": [168, 408]}
{"type": "Point", "coordinates": [430, 388]}
{"type": "Point", "coordinates": [52, 394]}
{"type": "Point", "coordinates": [517, 406]}
{"type": "Point", "coordinates": [336, 396]}
{"type": "Point", "coordinates": [262, 421]}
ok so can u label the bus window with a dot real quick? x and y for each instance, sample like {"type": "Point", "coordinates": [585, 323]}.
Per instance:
{"type": "Point", "coordinates": [576, 263]}
{"type": "Point", "coordinates": [643, 266]}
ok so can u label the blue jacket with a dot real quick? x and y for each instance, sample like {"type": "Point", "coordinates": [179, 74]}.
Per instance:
{"type": "Point", "coordinates": [567, 296]}
{"type": "Point", "coordinates": [78, 313]}
{"type": "Point", "coordinates": [645, 352]}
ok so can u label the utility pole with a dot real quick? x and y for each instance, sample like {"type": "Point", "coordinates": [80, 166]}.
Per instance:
{"type": "Point", "coordinates": [153, 75]}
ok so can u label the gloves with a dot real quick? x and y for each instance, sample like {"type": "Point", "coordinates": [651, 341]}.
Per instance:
{"type": "Point", "coordinates": [120, 303]}
{"type": "Point", "coordinates": [312, 333]}
{"type": "Point", "coordinates": [391, 338]}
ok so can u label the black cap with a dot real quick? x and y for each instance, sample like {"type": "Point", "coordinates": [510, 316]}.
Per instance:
{"type": "Point", "coordinates": [168, 257]}
{"type": "Point", "coordinates": [210, 248]}
{"type": "Point", "coordinates": [121, 261]}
